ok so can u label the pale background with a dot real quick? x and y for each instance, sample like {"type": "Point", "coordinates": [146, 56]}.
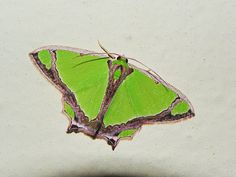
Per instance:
{"type": "Point", "coordinates": [191, 44]}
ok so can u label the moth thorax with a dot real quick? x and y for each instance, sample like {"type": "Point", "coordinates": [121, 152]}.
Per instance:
{"type": "Point", "coordinates": [117, 73]}
{"type": "Point", "coordinates": [121, 64]}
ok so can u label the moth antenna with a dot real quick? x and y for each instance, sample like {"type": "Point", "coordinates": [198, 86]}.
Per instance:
{"type": "Point", "coordinates": [105, 50]}
{"type": "Point", "coordinates": [90, 61]}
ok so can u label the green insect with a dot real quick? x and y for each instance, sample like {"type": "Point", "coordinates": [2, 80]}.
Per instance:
{"type": "Point", "coordinates": [106, 96]}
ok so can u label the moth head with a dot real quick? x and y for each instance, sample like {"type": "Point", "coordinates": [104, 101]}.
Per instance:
{"type": "Point", "coordinates": [121, 61]}
{"type": "Point", "coordinates": [122, 58]}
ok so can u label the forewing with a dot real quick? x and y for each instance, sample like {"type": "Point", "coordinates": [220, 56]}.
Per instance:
{"type": "Point", "coordinates": [144, 98]}
{"type": "Point", "coordinates": [82, 73]}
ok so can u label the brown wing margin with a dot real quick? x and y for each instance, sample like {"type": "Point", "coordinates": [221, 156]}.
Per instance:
{"type": "Point", "coordinates": [163, 117]}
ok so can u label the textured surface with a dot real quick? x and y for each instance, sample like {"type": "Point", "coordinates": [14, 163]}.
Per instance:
{"type": "Point", "coordinates": [191, 44]}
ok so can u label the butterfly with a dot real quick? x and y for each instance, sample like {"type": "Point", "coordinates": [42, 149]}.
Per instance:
{"type": "Point", "coordinates": [107, 95]}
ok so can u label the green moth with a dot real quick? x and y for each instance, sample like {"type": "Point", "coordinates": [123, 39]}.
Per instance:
{"type": "Point", "coordinates": [106, 95]}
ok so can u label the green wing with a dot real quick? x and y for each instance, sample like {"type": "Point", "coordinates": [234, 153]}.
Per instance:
{"type": "Point", "coordinates": [140, 100]}
{"type": "Point", "coordinates": [85, 75]}
{"type": "Point", "coordinates": [138, 96]}
{"type": "Point", "coordinates": [87, 80]}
